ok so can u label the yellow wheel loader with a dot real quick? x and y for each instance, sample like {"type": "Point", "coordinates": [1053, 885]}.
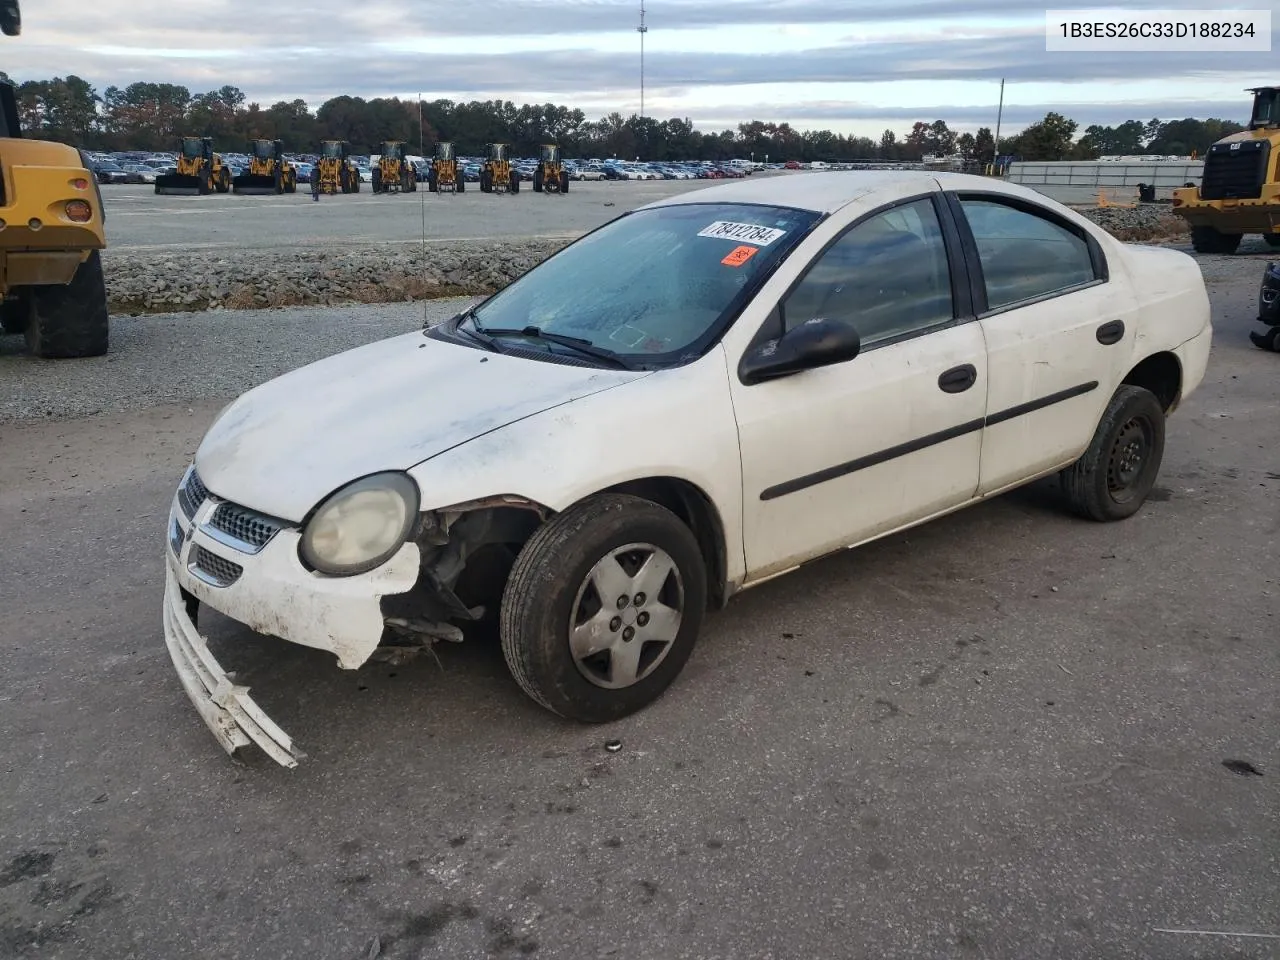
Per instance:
{"type": "Point", "coordinates": [200, 171]}
{"type": "Point", "coordinates": [497, 175]}
{"type": "Point", "coordinates": [393, 173]}
{"type": "Point", "coordinates": [445, 175]}
{"type": "Point", "coordinates": [550, 175]}
{"type": "Point", "coordinates": [52, 289]}
{"type": "Point", "coordinates": [1239, 190]}
{"type": "Point", "coordinates": [334, 170]}
{"type": "Point", "coordinates": [269, 171]}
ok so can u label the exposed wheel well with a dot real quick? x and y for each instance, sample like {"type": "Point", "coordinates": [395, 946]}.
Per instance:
{"type": "Point", "coordinates": [694, 507]}
{"type": "Point", "coordinates": [1161, 373]}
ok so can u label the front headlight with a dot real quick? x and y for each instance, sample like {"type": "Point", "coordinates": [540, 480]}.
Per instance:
{"type": "Point", "coordinates": [362, 525]}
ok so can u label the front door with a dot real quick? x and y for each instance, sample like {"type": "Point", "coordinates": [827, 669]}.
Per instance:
{"type": "Point", "coordinates": [837, 455]}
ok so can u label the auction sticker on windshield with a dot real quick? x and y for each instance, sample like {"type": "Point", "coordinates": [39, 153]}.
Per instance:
{"type": "Point", "coordinates": [740, 255]}
{"type": "Point", "coordinates": [742, 232]}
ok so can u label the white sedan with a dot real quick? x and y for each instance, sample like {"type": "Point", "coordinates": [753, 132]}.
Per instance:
{"type": "Point", "coordinates": [700, 395]}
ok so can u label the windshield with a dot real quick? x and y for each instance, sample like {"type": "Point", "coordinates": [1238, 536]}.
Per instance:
{"type": "Point", "coordinates": [391, 151]}
{"type": "Point", "coordinates": [652, 284]}
{"type": "Point", "coordinates": [549, 154]}
{"type": "Point", "coordinates": [192, 147]}
{"type": "Point", "coordinates": [331, 150]}
{"type": "Point", "coordinates": [262, 149]}
{"type": "Point", "coordinates": [1266, 110]}
{"type": "Point", "coordinates": [444, 151]}
{"type": "Point", "coordinates": [497, 151]}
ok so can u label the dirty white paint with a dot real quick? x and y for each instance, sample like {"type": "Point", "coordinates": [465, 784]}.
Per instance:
{"type": "Point", "coordinates": [470, 425]}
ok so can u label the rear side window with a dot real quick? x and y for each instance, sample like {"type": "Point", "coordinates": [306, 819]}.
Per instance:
{"type": "Point", "coordinates": [1025, 255]}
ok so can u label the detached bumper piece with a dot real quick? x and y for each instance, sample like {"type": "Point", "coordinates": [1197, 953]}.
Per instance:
{"type": "Point", "coordinates": [228, 710]}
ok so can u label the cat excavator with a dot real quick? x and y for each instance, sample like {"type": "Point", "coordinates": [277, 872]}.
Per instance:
{"type": "Point", "coordinates": [550, 176]}
{"type": "Point", "coordinates": [445, 175]}
{"type": "Point", "coordinates": [1239, 191]}
{"type": "Point", "coordinates": [52, 289]}
{"type": "Point", "coordinates": [269, 171]}
{"type": "Point", "coordinates": [394, 173]}
{"type": "Point", "coordinates": [200, 171]}
{"type": "Point", "coordinates": [334, 171]}
{"type": "Point", "coordinates": [497, 175]}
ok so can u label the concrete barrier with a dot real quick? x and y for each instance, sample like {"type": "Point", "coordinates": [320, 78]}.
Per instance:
{"type": "Point", "coordinates": [1164, 175]}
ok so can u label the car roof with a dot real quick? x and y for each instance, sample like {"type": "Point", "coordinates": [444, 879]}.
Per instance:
{"type": "Point", "coordinates": [826, 192]}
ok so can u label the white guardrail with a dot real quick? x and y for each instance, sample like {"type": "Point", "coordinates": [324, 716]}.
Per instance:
{"type": "Point", "coordinates": [1165, 174]}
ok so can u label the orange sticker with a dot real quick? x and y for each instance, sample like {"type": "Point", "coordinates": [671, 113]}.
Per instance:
{"type": "Point", "coordinates": [740, 256]}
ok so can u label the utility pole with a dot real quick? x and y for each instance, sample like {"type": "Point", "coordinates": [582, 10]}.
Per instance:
{"type": "Point", "coordinates": [642, 30]}
{"type": "Point", "coordinates": [995, 152]}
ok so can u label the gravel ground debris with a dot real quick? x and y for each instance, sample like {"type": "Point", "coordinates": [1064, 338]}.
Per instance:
{"type": "Point", "coordinates": [145, 281]}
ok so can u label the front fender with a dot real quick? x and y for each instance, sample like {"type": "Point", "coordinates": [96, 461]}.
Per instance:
{"type": "Point", "coordinates": [676, 423]}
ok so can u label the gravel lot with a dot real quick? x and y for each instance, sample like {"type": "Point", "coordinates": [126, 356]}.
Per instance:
{"type": "Point", "coordinates": [1001, 735]}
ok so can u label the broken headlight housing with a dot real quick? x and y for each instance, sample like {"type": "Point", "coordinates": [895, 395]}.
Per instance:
{"type": "Point", "coordinates": [361, 525]}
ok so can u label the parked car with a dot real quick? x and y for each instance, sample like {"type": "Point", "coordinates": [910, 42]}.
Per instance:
{"type": "Point", "coordinates": [818, 362]}
{"type": "Point", "coordinates": [108, 171]}
{"type": "Point", "coordinates": [139, 173]}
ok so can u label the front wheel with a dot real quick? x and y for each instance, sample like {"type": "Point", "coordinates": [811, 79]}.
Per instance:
{"type": "Point", "coordinates": [603, 607]}
{"type": "Point", "coordinates": [1112, 479]}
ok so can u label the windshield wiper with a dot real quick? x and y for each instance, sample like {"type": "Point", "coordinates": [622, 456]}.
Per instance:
{"type": "Point", "coordinates": [573, 343]}
{"type": "Point", "coordinates": [475, 332]}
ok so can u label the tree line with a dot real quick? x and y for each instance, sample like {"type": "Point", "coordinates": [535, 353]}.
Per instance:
{"type": "Point", "coordinates": [151, 116]}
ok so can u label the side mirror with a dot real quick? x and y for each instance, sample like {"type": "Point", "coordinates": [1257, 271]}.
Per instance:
{"type": "Point", "coordinates": [815, 343]}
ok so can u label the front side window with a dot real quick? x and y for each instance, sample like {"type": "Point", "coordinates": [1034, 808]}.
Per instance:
{"type": "Point", "coordinates": [651, 285]}
{"type": "Point", "coordinates": [887, 277]}
{"type": "Point", "coordinates": [1025, 255]}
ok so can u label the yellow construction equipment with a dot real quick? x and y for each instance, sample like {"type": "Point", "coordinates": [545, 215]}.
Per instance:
{"type": "Point", "coordinates": [1239, 190]}
{"type": "Point", "coordinates": [393, 173]}
{"type": "Point", "coordinates": [497, 175]}
{"type": "Point", "coordinates": [200, 170]}
{"type": "Point", "coordinates": [445, 176]}
{"type": "Point", "coordinates": [269, 171]}
{"type": "Point", "coordinates": [334, 170]}
{"type": "Point", "coordinates": [550, 175]}
{"type": "Point", "coordinates": [51, 285]}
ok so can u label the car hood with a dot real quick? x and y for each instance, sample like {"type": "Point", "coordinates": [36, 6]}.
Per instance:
{"type": "Point", "coordinates": [285, 445]}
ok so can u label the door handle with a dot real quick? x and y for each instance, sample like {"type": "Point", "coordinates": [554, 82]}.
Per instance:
{"type": "Point", "coordinates": [958, 379]}
{"type": "Point", "coordinates": [1110, 333]}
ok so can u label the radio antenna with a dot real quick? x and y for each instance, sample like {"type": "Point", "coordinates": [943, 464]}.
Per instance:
{"type": "Point", "coordinates": [422, 203]}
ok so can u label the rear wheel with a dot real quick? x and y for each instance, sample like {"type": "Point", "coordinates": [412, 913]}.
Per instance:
{"type": "Point", "coordinates": [603, 608]}
{"type": "Point", "coordinates": [537, 180]}
{"type": "Point", "coordinates": [377, 181]}
{"type": "Point", "coordinates": [1111, 481]}
{"type": "Point", "coordinates": [1210, 240]}
{"type": "Point", "coordinates": [564, 182]}
{"type": "Point", "coordinates": [70, 321]}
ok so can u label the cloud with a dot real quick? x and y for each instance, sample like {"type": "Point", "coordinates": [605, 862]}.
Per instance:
{"type": "Point", "coordinates": [340, 48]}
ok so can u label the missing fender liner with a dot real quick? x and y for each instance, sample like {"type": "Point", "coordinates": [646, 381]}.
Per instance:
{"type": "Point", "coordinates": [467, 552]}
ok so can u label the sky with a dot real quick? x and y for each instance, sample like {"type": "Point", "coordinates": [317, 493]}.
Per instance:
{"type": "Point", "coordinates": [852, 66]}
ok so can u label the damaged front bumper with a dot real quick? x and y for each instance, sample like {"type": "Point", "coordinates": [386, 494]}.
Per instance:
{"type": "Point", "coordinates": [246, 566]}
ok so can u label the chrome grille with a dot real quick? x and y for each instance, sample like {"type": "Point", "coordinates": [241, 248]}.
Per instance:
{"type": "Point", "coordinates": [192, 493]}
{"type": "Point", "coordinates": [175, 538]}
{"type": "Point", "coordinates": [213, 569]}
{"type": "Point", "coordinates": [242, 528]}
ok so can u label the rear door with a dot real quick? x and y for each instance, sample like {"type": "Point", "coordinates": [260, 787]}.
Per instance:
{"type": "Point", "coordinates": [1058, 332]}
